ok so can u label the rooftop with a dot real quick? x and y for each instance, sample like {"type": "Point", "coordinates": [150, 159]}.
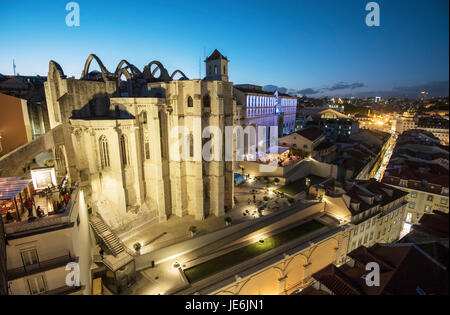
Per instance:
{"type": "Point", "coordinates": [311, 133]}
{"type": "Point", "coordinates": [404, 269]}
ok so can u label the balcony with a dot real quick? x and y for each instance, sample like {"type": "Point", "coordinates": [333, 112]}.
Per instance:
{"type": "Point", "coordinates": [63, 291]}
{"type": "Point", "coordinates": [41, 266]}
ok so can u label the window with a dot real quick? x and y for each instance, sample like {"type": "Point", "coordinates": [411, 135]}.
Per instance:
{"type": "Point", "coordinates": [190, 102]}
{"type": "Point", "coordinates": [384, 231]}
{"type": "Point", "coordinates": [104, 152]}
{"type": "Point", "coordinates": [427, 209]}
{"type": "Point", "coordinates": [411, 205]}
{"type": "Point", "coordinates": [362, 228]}
{"type": "Point", "coordinates": [371, 236]}
{"type": "Point", "coordinates": [378, 234]}
{"type": "Point", "coordinates": [414, 194]}
{"type": "Point", "coordinates": [365, 238]}
{"type": "Point", "coordinates": [444, 201]}
{"type": "Point", "coordinates": [355, 232]}
{"type": "Point", "coordinates": [206, 101]}
{"type": "Point", "coordinates": [144, 118]}
{"type": "Point", "coordinates": [29, 257]}
{"type": "Point", "coordinates": [191, 145]}
{"type": "Point", "coordinates": [409, 217]}
{"type": "Point", "coordinates": [147, 150]}
{"type": "Point", "coordinates": [429, 198]}
{"type": "Point", "coordinates": [123, 149]}
{"type": "Point", "coordinates": [36, 285]}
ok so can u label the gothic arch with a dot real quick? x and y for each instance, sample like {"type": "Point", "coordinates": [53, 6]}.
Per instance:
{"type": "Point", "coordinates": [134, 71]}
{"type": "Point", "coordinates": [55, 67]}
{"type": "Point", "coordinates": [105, 73]}
{"type": "Point", "coordinates": [104, 152]}
{"type": "Point", "coordinates": [183, 76]}
{"type": "Point", "coordinates": [60, 161]}
{"type": "Point", "coordinates": [150, 75]}
{"type": "Point", "coordinates": [190, 101]}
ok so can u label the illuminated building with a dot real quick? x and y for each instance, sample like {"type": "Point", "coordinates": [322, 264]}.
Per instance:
{"type": "Point", "coordinates": [259, 108]}
{"type": "Point", "coordinates": [121, 135]}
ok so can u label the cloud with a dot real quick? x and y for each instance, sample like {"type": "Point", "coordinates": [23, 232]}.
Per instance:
{"type": "Point", "coordinates": [308, 91]}
{"type": "Point", "coordinates": [345, 86]}
{"type": "Point", "coordinates": [273, 88]}
{"type": "Point", "coordinates": [434, 89]}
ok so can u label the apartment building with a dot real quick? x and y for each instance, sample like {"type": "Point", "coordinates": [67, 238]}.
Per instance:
{"type": "Point", "coordinates": [43, 253]}
{"type": "Point", "coordinates": [374, 211]}
{"type": "Point", "coordinates": [419, 166]}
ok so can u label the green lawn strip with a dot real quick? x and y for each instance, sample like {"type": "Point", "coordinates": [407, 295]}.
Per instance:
{"type": "Point", "coordinates": [298, 186]}
{"type": "Point", "coordinates": [242, 254]}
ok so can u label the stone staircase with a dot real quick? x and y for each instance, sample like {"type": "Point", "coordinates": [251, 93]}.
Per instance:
{"type": "Point", "coordinates": [111, 241]}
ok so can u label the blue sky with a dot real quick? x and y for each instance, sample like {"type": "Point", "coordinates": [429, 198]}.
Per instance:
{"type": "Point", "coordinates": [301, 44]}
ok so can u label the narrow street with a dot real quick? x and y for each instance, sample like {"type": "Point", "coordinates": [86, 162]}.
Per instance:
{"type": "Point", "coordinates": [387, 156]}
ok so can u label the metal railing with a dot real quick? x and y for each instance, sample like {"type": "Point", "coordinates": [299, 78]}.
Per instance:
{"type": "Point", "coordinates": [41, 266]}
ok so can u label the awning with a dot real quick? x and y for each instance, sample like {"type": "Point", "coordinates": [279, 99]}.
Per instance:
{"type": "Point", "coordinates": [10, 187]}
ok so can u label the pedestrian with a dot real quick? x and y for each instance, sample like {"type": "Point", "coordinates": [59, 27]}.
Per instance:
{"type": "Point", "coordinates": [29, 206]}
{"type": "Point", "coordinates": [66, 197]}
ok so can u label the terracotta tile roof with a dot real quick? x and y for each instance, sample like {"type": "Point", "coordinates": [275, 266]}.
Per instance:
{"type": "Point", "coordinates": [435, 224]}
{"type": "Point", "coordinates": [311, 133]}
{"type": "Point", "coordinates": [415, 177]}
{"type": "Point", "coordinates": [404, 269]}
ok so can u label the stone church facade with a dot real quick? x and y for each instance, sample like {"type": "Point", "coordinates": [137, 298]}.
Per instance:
{"type": "Point", "coordinates": [121, 138]}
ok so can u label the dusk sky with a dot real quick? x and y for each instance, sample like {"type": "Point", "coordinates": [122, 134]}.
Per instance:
{"type": "Point", "coordinates": [322, 47]}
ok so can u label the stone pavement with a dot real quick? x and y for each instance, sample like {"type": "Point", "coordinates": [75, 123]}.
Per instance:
{"type": "Point", "coordinates": [156, 235]}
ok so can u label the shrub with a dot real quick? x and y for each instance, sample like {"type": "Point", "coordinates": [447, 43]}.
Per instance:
{"type": "Point", "coordinates": [137, 246]}
{"type": "Point", "coordinates": [266, 198]}
{"type": "Point", "coordinates": [193, 229]}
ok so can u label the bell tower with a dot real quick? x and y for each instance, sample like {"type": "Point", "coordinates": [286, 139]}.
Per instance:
{"type": "Point", "coordinates": [216, 67]}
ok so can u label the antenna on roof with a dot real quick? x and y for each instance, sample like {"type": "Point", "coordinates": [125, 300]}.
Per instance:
{"type": "Point", "coordinates": [14, 67]}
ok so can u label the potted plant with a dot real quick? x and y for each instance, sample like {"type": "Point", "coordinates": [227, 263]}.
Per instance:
{"type": "Point", "coordinates": [228, 221]}
{"type": "Point", "coordinates": [276, 180]}
{"type": "Point", "coordinates": [193, 230]}
{"type": "Point", "coordinates": [137, 247]}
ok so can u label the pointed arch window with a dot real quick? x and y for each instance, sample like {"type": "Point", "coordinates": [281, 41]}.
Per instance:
{"type": "Point", "coordinates": [190, 102]}
{"type": "Point", "coordinates": [124, 149]}
{"type": "Point", "coordinates": [104, 152]}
